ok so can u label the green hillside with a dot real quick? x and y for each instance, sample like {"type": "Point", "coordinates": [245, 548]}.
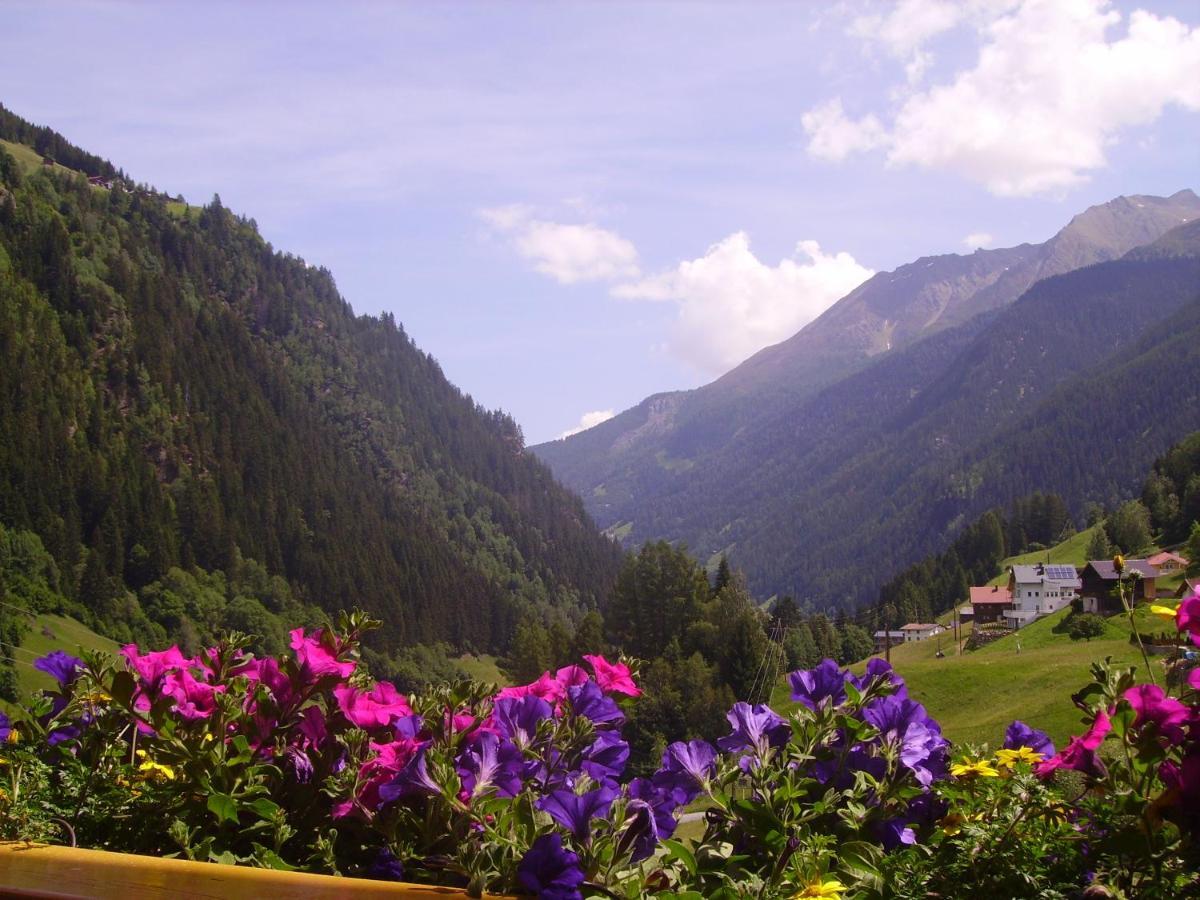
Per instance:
{"type": "Point", "coordinates": [202, 435]}
{"type": "Point", "coordinates": [974, 696]}
{"type": "Point", "coordinates": [1071, 552]}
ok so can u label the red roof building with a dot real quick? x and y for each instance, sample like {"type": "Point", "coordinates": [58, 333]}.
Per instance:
{"type": "Point", "coordinates": [990, 602]}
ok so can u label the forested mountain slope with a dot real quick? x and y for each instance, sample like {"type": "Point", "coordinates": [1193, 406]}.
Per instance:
{"type": "Point", "coordinates": [1074, 389]}
{"type": "Point", "coordinates": [619, 465]}
{"type": "Point", "coordinates": [175, 394]}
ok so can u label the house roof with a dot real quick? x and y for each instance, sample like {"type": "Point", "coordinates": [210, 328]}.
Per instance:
{"type": "Point", "coordinates": [990, 594]}
{"type": "Point", "coordinates": [1187, 586]}
{"type": "Point", "coordinates": [1159, 558]}
{"type": "Point", "coordinates": [895, 634]}
{"type": "Point", "coordinates": [1108, 572]}
{"type": "Point", "coordinates": [1046, 574]}
{"type": "Point", "coordinates": [918, 626]}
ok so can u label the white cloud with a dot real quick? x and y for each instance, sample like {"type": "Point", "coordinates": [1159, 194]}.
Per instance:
{"type": "Point", "coordinates": [588, 420]}
{"type": "Point", "coordinates": [834, 136]}
{"type": "Point", "coordinates": [732, 305]}
{"type": "Point", "coordinates": [978, 240]}
{"type": "Point", "coordinates": [567, 253]}
{"type": "Point", "coordinates": [1048, 93]}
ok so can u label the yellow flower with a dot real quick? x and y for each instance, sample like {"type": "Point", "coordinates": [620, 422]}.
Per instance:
{"type": "Point", "coordinates": [96, 696]}
{"type": "Point", "coordinates": [969, 769]}
{"type": "Point", "coordinates": [14, 737]}
{"type": "Point", "coordinates": [1119, 563]}
{"type": "Point", "coordinates": [155, 771]}
{"type": "Point", "coordinates": [821, 889]}
{"type": "Point", "coordinates": [1166, 612]}
{"type": "Point", "coordinates": [1009, 758]}
{"type": "Point", "coordinates": [3, 795]}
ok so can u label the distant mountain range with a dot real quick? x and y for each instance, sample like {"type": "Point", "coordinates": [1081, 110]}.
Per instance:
{"type": "Point", "coordinates": [825, 462]}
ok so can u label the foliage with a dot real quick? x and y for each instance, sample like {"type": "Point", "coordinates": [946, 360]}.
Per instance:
{"type": "Point", "coordinates": [1085, 626]}
{"type": "Point", "coordinates": [179, 402]}
{"type": "Point", "coordinates": [302, 762]}
{"type": "Point", "coordinates": [1129, 527]}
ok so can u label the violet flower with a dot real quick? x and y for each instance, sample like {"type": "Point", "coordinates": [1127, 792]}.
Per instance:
{"type": "Point", "coordinates": [491, 761]}
{"type": "Point", "coordinates": [59, 665]}
{"type": "Point", "coordinates": [813, 687]}
{"type": "Point", "coordinates": [756, 728]}
{"type": "Point", "coordinates": [517, 718]}
{"type": "Point", "coordinates": [412, 781]}
{"type": "Point", "coordinates": [589, 701]}
{"type": "Point", "coordinates": [904, 722]}
{"type": "Point", "coordinates": [574, 811]}
{"type": "Point", "coordinates": [606, 756]}
{"type": "Point", "coordinates": [550, 871]}
{"type": "Point", "coordinates": [386, 866]}
{"type": "Point", "coordinates": [5, 727]}
{"type": "Point", "coordinates": [1019, 735]}
{"type": "Point", "coordinates": [686, 768]}
{"type": "Point", "coordinates": [650, 812]}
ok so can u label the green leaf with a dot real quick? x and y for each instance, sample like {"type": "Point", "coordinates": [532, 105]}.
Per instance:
{"type": "Point", "coordinates": [265, 808]}
{"type": "Point", "coordinates": [680, 851]}
{"type": "Point", "coordinates": [223, 807]}
{"type": "Point", "coordinates": [862, 860]}
{"type": "Point", "coordinates": [269, 859]}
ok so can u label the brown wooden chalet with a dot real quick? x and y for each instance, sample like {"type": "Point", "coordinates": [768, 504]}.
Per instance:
{"type": "Point", "coordinates": [1168, 563]}
{"type": "Point", "coordinates": [990, 603]}
{"type": "Point", "coordinates": [1187, 587]}
{"type": "Point", "coordinates": [1099, 578]}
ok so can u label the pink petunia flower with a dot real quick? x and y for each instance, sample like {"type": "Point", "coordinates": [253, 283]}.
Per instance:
{"type": "Point", "coordinates": [613, 677]}
{"type": "Point", "coordinates": [1152, 705]}
{"type": "Point", "coordinates": [1080, 754]}
{"type": "Point", "coordinates": [1187, 617]}
{"type": "Point", "coordinates": [194, 699]}
{"type": "Point", "coordinates": [315, 659]}
{"type": "Point", "coordinates": [153, 667]}
{"type": "Point", "coordinates": [376, 708]}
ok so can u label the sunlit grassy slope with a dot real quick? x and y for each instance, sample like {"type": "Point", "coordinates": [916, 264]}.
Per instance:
{"type": "Point", "coordinates": [482, 668]}
{"type": "Point", "coordinates": [975, 695]}
{"type": "Point", "coordinates": [1071, 552]}
{"type": "Point", "coordinates": [49, 632]}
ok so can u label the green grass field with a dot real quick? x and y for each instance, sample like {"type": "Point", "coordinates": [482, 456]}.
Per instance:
{"type": "Point", "coordinates": [482, 668]}
{"type": "Point", "coordinates": [1070, 552]}
{"type": "Point", "coordinates": [974, 696]}
{"type": "Point", "coordinates": [50, 632]}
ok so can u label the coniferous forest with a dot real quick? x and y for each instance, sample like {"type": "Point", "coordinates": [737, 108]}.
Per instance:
{"type": "Point", "coordinates": [197, 433]}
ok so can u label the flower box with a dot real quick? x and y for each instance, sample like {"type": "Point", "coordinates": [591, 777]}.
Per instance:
{"type": "Point", "coordinates": [41, 870]}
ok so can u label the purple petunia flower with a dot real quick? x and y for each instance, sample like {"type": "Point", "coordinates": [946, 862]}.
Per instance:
{"type": "Point", "coordinates": [756, 728]}
{"type": "Point", "coordinates": [411, 781]}
{"type": "Point", "coordinates": [492, 760]}
{"type": "Point", "coordinates": [574, 811]}
{"type": "Point", "coordinates": [5, 727]}
{"type": "Point", "coordinates": [517, 718]}
{"type": "Point", "coordinates": [606, 756]}
{"type": "Point", "coordinates": [299, 763]}
{"type": "Point", "coordinates": [813, 687]}
{"type": "Point", "coordinates": [386, 866]}
{"type": "Point", "coordinates": [904, 721]}
{"type": "Point", "coordinates": [879, 669]}
{"type": "Point", "coordinates": [589, 701]}
{"type": "Point", "coordinates": [895, 833]}
{"type": "Point", "coordinates": [650, 813]}
{"type": "Point", "coordinates": [59, 665]}
{"type": "Point", "coordinates": [686, 768]}
{"type": "Point", "coordinates": [1019, 735]}
{"type": "Point", "coordinates": [550, 871]}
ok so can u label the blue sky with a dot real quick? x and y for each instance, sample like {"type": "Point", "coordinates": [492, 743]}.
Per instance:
{"type": "Point", "coordinates": [575, 205]}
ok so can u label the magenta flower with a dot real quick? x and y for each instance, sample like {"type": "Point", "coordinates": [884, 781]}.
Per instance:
{"type": "Point", "coordinates": [194, 699]}
{"type": "Point", "coordinates": [1168, 715]}
{"type": "Point", "coordinates": [152, 667]}
{"type": "Point", "coordinates": [547, 688]}
{"type": "Point", "coordinates": [1182, 780]}
{"type": "Point", "coordinates": [1187, 617]}
{"type": "Point", "coordinates": [613, 677]}
{"type": "Point", "coordinates": [1080, 753]}
{"type": "Point", "coordinates": [571, 676]}
{"type": "Point", "coordinates": [315, 659]}
{"type": "Point", "coordinates": [376, 708]}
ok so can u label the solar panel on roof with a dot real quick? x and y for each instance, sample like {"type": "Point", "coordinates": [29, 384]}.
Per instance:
{"type": "Point", "coordinates": [1060, 573]}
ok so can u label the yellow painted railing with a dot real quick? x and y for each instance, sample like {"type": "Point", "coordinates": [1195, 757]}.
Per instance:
{"type": "Point", "coordinates": [40, 870]}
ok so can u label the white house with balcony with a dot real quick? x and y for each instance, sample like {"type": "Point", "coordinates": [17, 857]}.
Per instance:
{"type": "Point", "coordinates": [1039, 590]}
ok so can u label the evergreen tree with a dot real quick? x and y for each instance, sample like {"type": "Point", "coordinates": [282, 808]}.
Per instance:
{"type": "Point", "coordinates": [1099, 546]}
